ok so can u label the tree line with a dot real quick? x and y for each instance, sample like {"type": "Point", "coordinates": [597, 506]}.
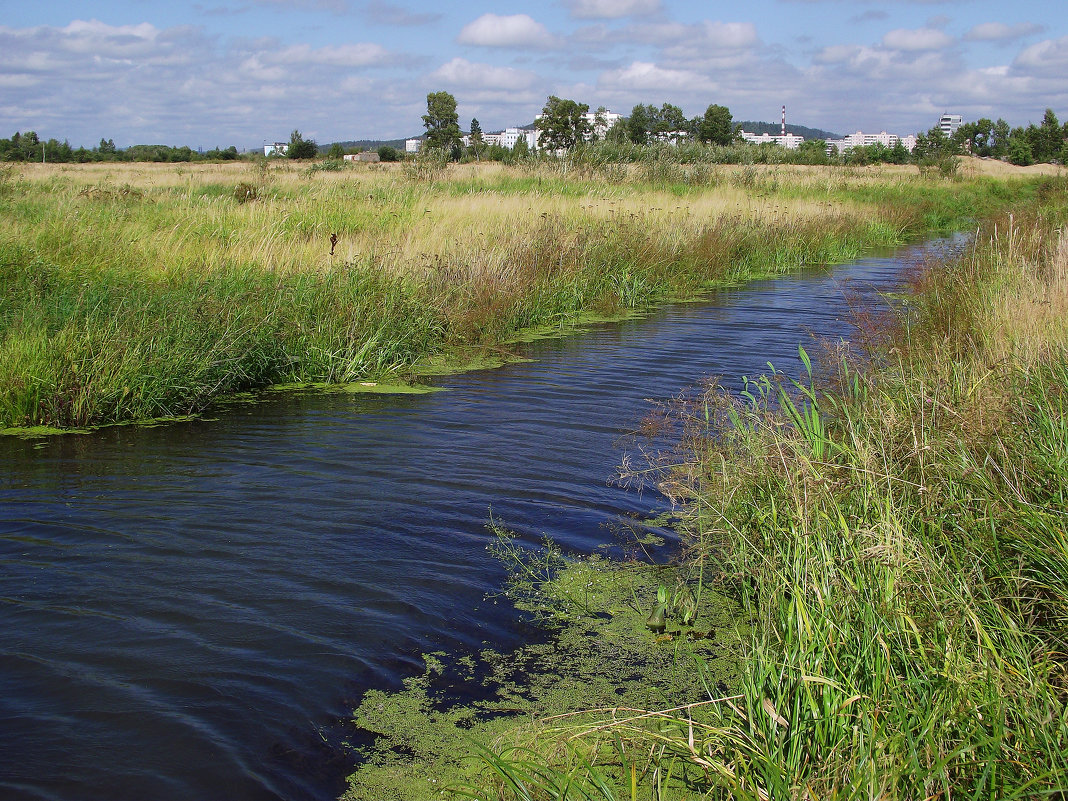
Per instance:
{"type": "Point", "coordinates": [29, 147]}
{"type": "Point", "coordinates": [564, 124]}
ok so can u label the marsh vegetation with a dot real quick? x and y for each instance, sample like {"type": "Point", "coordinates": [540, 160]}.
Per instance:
{"type": "Point", "coordinates": [133, 292]}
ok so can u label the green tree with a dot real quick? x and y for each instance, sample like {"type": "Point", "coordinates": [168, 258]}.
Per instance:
{"type": "Point", "coordinates": [812, 151]}
{"type": "Point", "coordinates": [600, 124]}
{"type": "Point", "coordinates": [387, 153]}
{"type": "Point", "coordinates": [716, 126]}
{"type": "Point", "coordinates": [336, 152]}
{"type": "Point", "coordinates": [1049, 138]}
{"type": "Point", "coordinates": [639, 123]}
{"type": "Point", "coordinates": [477, 142]}
{"type": "Point", "coordinates": [562, 124]}
{"type": "Point", "coordinates": [933, 145]}
{"type": "Point", "coordinates": [476, 131]}
{"type": "Point", "coordinates": [1019, 148]}
{"type": "Point", "coordinates": [999, 148]}
{"type": "Point", "coordinates": [669, 122]}
{"type": "Point", "coordinates": [976, 137]}
{"type": "Point", "coordinates": [301, 148]}
{"type": "Point", "coordinates": [441, 122]}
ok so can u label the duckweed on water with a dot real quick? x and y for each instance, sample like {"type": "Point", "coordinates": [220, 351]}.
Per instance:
{"type": "Point", "coordinates": [594, 654]}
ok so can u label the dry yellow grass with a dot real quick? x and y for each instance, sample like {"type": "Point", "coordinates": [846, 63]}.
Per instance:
{"type": "Point", "coordinates": [972, 166]}
{"type": "Point", "coordinates": [1029, 311]}
{"type": "Point", "coordinates": [185, 216]}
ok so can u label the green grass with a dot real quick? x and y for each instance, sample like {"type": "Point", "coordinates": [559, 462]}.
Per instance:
{"type": "Point", "coordinates": [135, 292]}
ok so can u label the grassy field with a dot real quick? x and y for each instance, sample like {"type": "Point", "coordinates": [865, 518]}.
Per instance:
{"type": "Point", "coordinates": [133, 292]}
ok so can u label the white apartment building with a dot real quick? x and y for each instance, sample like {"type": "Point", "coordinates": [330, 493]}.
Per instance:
{"type": "Point", "coordinates": [487, 139]}
{"type": "Point", "coordinates": [599, 122]}
{"type": "Point", "coordinates": [509, 136]}
{"type": "Point", "coordinates": [861, 139]}
{"type": "Point", "coordinates": [789, 141]}
{"type": "Point", "coordinates": [949, 123]}
{"type": "Point", "coordinates": [280, 148]}
{"type": "Point", "coordinates": [412, 145]}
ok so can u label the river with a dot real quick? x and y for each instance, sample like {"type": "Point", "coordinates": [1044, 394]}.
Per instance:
{"type": "Point", "coordinates": [187, 610]}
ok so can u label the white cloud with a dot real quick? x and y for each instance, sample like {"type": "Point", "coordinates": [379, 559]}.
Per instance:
{"type": "Point", "coordinates": [837, 54]}
{"type": "Point", "coordinates": [336, 6]}
{"type": "Point", "coordinates": [1048, 58]}
{"type": "Point", "coordinates": [139, 83]}
{"type": "Point", "coordinates": [360, 54]}
{"type": "Point", "coordinates": [1000, 32]}
{"type": "Point", "coordinates": [644, 76]}
{"type": "Point", "coordinates": [916, 40]}
{"type": "Point", "coordinates": [612, 9]}
{"type": "Point", "coordinates": [515, 30]}
{"type": "Point", "coordinates": [706, 34]}
{"type": "Point", "coordinates": [461, 72]}
{"type": "Point", "coordinates": [383, 13]}
{"type": "Point", "coordinates": [93, 36]}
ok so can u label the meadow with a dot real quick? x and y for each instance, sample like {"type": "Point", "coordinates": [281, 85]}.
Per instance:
{"type": "Point", "coordinates": [139, 291]}
{"type": "Point", "coordinates": [877, 545]}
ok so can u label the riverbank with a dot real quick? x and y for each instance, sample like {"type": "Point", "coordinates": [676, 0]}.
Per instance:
{"type": "Point", "coordinates": [891, 530]}
{"type": "Point", "coordinates": [140, 292]}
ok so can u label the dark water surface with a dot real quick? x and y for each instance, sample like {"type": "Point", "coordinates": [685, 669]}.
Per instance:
{"type": "Point", "coordinates": [186, 610]}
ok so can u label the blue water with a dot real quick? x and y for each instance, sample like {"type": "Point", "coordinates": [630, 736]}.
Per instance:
{"type": "Point", "coordinates": [187, 611]}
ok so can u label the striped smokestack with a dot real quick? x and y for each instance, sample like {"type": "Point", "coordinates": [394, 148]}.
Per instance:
{"type": "Point", "coordinates": [784, 120]}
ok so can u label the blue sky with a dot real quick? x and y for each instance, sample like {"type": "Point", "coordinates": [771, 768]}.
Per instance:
{"type": "Point", "coordinates": [216, 72]}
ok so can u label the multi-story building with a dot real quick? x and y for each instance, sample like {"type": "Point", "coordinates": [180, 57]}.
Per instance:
{"type": "Point", "coordinates": [412, 145]}
{"type": "Point", "coordinates": [598, 121]}
{"type": "Point", "coordinates": [949, 123]}
{"type": "Point", "coordinates": [861, 139]}
{"type": "Point", "coordinates": [789, 141]}
{"type": "Point", "coordinates": [601, 121]}
{"type": "Point", "coordinates": [509, 136]}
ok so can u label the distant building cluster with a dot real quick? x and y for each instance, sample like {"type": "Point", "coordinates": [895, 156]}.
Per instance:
{"type": "Point", "coordinates": [599, 122]}
{"type": "Point", "coordinates": [789, 141]}
{"type": "Point", "coordinates": [278, 148]}
{"type": "Point", "coordinates": [861, 139]}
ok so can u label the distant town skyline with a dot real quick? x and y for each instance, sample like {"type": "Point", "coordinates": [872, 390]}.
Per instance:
{"type": "Point", "coordinates": [216, 73]}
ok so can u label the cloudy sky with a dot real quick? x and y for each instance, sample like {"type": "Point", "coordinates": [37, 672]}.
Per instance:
{"type": "Point", "coordinates": [216, 72]}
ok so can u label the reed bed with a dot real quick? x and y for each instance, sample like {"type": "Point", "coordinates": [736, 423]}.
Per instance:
{"type": "Point", "coordinates": [143, 291]}
{"type": "Point", "coordinates": [897, 537]}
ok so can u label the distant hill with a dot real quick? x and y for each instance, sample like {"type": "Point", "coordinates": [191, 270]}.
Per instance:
{"type": "Point", "coordinates": [775, 128]}
{"type": "Point", "coordinates": [365, 144]}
